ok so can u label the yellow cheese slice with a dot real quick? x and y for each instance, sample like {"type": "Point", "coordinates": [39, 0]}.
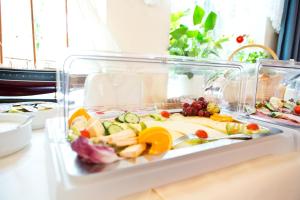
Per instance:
{"type": "Point", "coordinates": [185, 127]}
{"type": "Point", "coordinates": [204, 121]}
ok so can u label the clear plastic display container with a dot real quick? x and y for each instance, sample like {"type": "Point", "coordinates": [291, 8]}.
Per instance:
{"type": "Point", "coordinates": [278, 93]}
{"type": "Point", "coordinates": [112, 82]}
{"type": "Point", "coordinates": [107, 85]}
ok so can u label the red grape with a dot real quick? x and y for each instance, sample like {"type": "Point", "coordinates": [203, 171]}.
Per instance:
{"type": "Point", "coordinates": [185, 105]}
{"type": "Point", "coordinates": [201, 113]}
{"type": "Point", "coordinates": [201, 99]}
{"type": "Point", "coordinates": [198, 106]}
{"type": "Point", "coordinates": [189, 111]}
{"type": "Point", "coordinates": [195, 111]}
{"type": "Point", "coordinates": [205, 103]}
{"type": "Point", "coordinates": [207, 114]}
{"type": "Point", "coordinates": [194, 104]}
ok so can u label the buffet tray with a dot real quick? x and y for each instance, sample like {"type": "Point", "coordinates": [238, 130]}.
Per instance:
{"type": "Point", "coordinates": [76, 168]}
{"type": "Point", "coordinates": [272, 121]}
{"type": "Point", "coordinates": [69, 178]}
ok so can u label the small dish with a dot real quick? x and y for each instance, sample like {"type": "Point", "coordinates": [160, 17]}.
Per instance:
{"type": "Point", "coordinates": [15, 132]}
{"type": "Point", "coordinates": [39, 110]}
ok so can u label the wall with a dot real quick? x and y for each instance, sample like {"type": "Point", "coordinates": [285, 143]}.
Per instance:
{"type": "Point", "coordinates": [138, 27]}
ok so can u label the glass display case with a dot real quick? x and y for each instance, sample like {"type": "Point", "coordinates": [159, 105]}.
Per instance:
{"type": "Point", "coordinates": [129, 119]}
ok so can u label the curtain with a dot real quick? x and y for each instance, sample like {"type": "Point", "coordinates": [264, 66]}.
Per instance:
{"type": "Point", "coordinates": [289, 37]}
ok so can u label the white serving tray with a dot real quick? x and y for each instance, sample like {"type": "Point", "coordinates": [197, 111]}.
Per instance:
{"type": "Point", "coordinates": [85, 182]}
{"type": "Point", "coordinates": [16, 136]}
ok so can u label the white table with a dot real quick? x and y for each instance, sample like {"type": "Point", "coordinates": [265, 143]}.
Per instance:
{"type": "Point", "coordinates": [23, 177]}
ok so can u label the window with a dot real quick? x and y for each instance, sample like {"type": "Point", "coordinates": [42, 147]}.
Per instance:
{"type": "Point", "coordinates": [17, 37]}
{"type": "Point", "coordinates": [259, 19]}
{"type": "Point", "coordinates": [33, 32]}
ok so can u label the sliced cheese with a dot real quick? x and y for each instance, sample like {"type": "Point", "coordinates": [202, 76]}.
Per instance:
{"type": "Point", "coordinates": [219, 126]}
{"type": "Point", "coordinates": [185, 127]}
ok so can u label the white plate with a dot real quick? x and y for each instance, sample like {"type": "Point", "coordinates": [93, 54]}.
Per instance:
{"type": "Point", "coordinates": [15, 132]}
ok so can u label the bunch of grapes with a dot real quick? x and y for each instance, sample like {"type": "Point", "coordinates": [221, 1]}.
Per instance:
{"type": "Point", "coordinates": [197, 108]}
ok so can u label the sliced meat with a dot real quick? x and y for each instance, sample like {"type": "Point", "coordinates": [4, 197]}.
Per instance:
{"type": "Point", "coordinates": [290, 117]}
{"type": "Point", "coordinates": [264, 111]}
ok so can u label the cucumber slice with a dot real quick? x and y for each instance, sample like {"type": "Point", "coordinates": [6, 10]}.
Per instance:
{"type": "Point", "coordinates": [132, 118]}
{"type": "Point", "coordinates": [270, 107]}
{"type": "Point", "coordinates": [143, 125]}
{"type": "Point", "coordinates": [114, 128]}
{"type": "Point", "coordinates": [156, 117]}
{"type": "Point", "coordinates": [106, 124]}
{"type": "Point", "coordinates": [121, 118]}
{"type": "Point", "coordinates": [135, 127]}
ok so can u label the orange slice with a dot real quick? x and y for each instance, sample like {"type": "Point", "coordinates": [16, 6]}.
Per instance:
{"type": "Point", "coordinates": [77, 113]}
{"type": "Point", "coordinates": [221, 118]}
{"type": "Point", "coordinates": [158, 137]}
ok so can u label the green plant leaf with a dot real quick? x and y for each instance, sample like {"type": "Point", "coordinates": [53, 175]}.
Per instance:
{"type": "Point", "coordinates": [177, 33]}
{"type": "Point", "coordinates": [210, 21]}
{"type": "Point", "coordinates": [176, 51]}
{"type": "Point", "coordinates": [200, 37]}
{"type": "Point", "coordinates": [176, 16]}
{"type": "Point", "coordinates": [198, 15]}
{"type": "Point", "coordinates": [192, 33]}
{"type": "Point", "coordinates": [218, 43]}
{"type": "Point", "coordinates": [223, 39]}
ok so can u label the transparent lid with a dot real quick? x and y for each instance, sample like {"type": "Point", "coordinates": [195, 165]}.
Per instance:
{"type": "Point", "coordinates": [278, 91]}
{"type": "Point", "coordinates": [110, 83]}
{"type": "Point", "coordinates": [278, 79]}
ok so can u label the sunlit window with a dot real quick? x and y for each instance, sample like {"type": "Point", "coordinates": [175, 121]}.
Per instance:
{"type": "Point", "coordinates": [50, 30]}
{"type": "Point", "coordinates": [16, 33]}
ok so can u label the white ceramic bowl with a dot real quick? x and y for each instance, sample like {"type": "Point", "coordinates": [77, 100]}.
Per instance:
{"type": "Point", "coordinates": [15, 132]}
{"type": "Point", "coordinates": [40, 117]}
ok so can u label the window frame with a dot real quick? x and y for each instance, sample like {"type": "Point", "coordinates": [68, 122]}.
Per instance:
{"type": "Point", "coordinates": [33, 32]}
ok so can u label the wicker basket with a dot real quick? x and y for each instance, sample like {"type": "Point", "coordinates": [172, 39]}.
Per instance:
{"type": "Point", "coordinates": [268, 49]}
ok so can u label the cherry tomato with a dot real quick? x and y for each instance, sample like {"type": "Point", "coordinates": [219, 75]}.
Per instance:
{"type": "Point", "coordinates": [252, 127]}
{"type": "Point", "coordinates": [201, 134]}
{"type": "Point", "coordinates": [297, 110]}
{"type": "Point", "coordinates": [165, 114]}
{"type": "Point", "coordinates": [85, 133]}
{"type": "Point", "coordinates": [240, 39]}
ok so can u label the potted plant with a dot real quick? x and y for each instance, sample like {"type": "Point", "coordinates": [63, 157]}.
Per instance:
{"type": "Point", "coordinates": [197, 41]}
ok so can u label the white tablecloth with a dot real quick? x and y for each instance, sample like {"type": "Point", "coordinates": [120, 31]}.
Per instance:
{"type": "Point", "coordinates": [23, 176]}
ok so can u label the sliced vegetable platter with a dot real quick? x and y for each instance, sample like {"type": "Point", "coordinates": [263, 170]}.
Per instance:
{"type": "Point", "coordinates": [26, 107]}
{"type": "Point", "coordinates": [129, 135]}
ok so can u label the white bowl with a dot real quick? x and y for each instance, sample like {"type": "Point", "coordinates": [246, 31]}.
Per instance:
{"type": "Point", "coordinates": [15, 132]}
{"type": "Point", "coordinates": [40, 117]}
